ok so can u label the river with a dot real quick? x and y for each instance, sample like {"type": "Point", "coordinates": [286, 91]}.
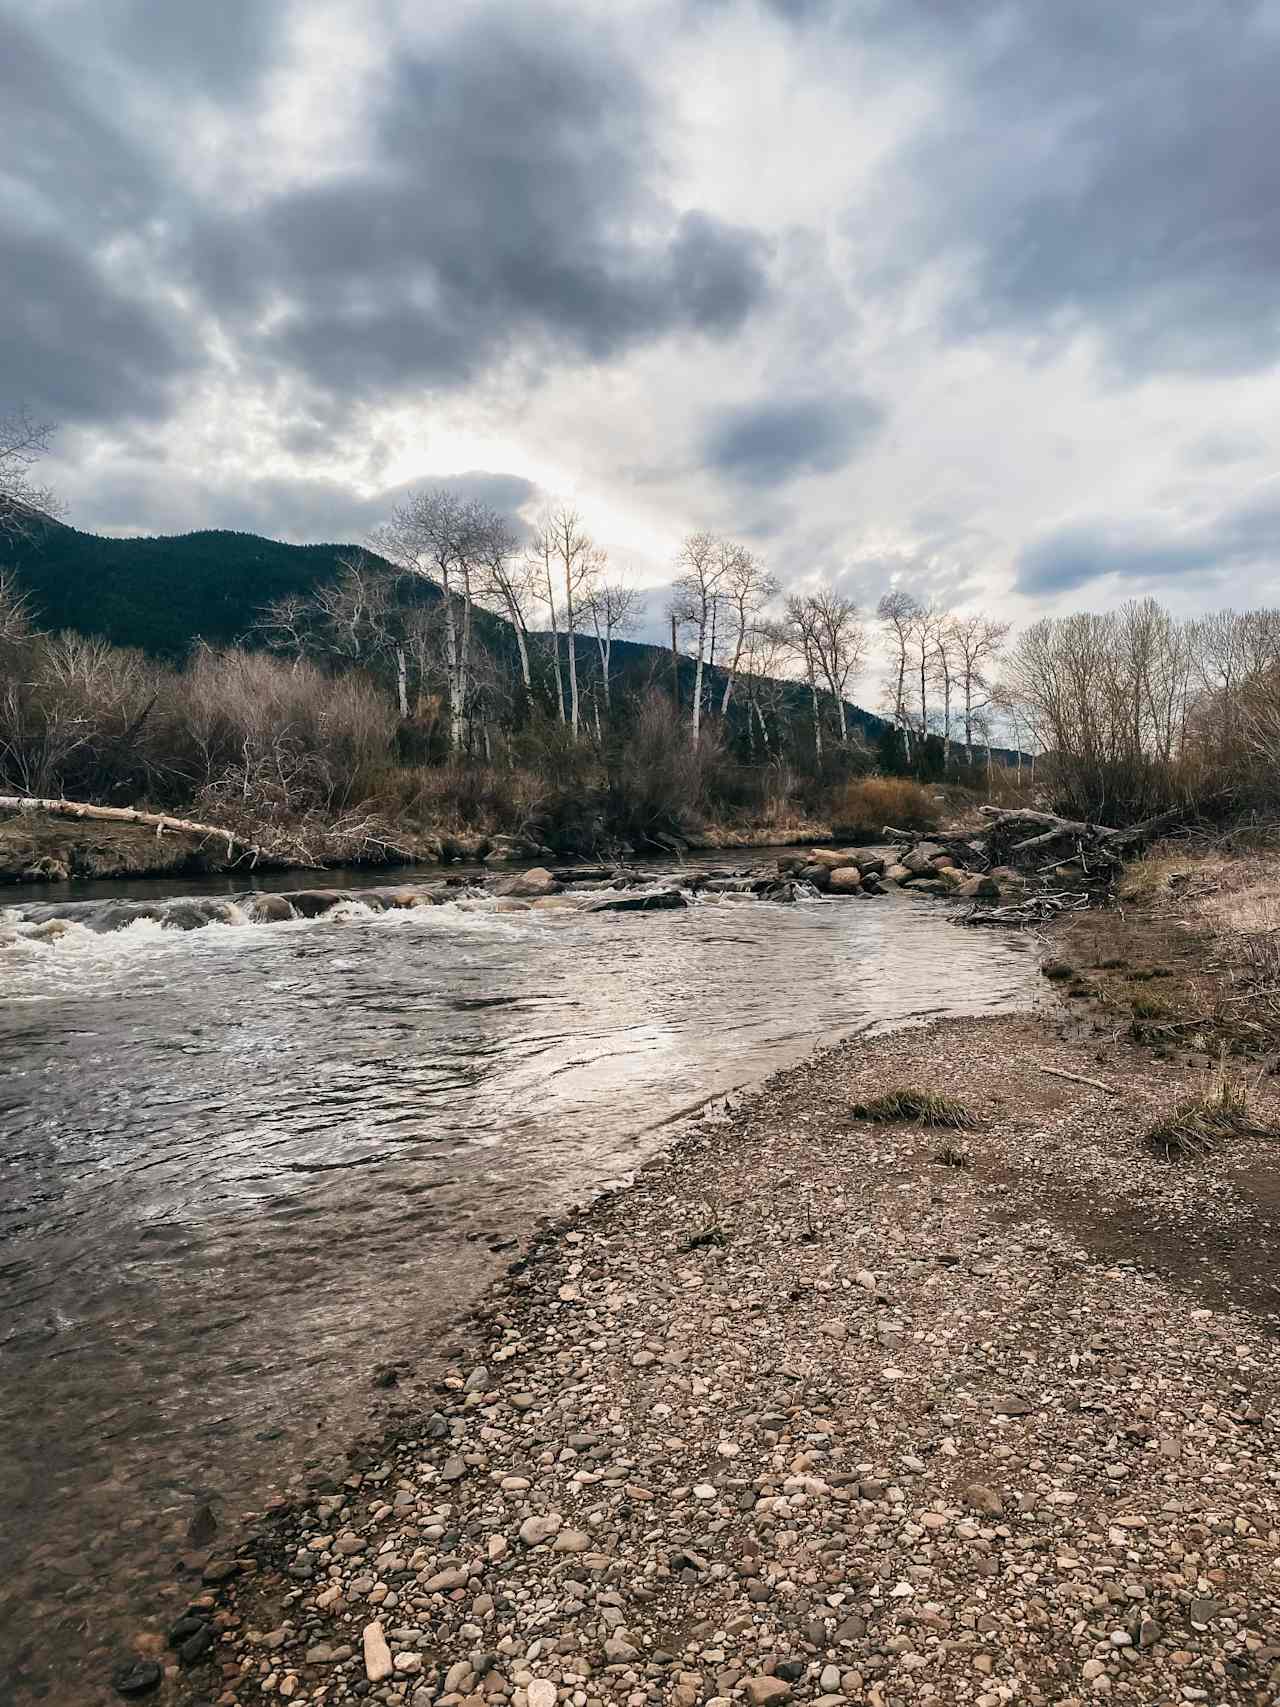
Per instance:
{"type": "Point", "coordinates": [242, 1167]}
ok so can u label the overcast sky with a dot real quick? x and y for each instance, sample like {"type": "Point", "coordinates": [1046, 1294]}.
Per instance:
{"type": "Point", "coordinates": [979, 298]}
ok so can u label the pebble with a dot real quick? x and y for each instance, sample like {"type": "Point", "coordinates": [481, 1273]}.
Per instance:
{"type": "Point", "coordinates": [377, 1655]}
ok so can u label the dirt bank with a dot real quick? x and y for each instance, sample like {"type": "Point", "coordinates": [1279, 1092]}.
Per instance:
{"type": "Point", "coordinates": [827, 1410]}
{"type": "Point", "coordinates": [38, 848]}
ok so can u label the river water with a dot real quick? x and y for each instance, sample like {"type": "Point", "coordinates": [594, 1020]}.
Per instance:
{"type": "Point", "coordinates": [243, 1166]}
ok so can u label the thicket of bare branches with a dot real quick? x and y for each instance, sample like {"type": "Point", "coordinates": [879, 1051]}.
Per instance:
{"type": "Point", "coordinates": [1139, 711]}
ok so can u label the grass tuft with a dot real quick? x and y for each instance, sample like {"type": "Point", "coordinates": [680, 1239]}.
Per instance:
{"type": "Point", "coordinates": [926, 1108]}
{"type": "Point", "coordinates": [1197, 1124]}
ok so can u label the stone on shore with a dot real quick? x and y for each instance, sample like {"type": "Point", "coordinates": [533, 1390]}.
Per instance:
{"type": "Point", "coordinates": [846, 880]}
{"type": "Point", "coordinates": [377, 1655]}
{"type": "Point", "coordinates": [919, 861]}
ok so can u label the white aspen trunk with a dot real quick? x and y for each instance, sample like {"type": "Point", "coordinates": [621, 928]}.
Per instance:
{"type": "Point", "coordinates": [402, 682]}
{"type": "Point", "coordinates": [555, 644]}
{"type": "Point", "coordinates": [946, 717]}
{"type": "Point", "coordinates": [764, 727]}
{"type": "Point", "coordinates": [817, 716]}
{"type": "Point", "coordinates": [522, 644]}
{"type": "Point", "coordinates": [451, 664]}
{"type": "Point", "coordinates": [844, 721]}
{"type": "Point", "coordinates": [464, 654]}
{"type": "Point", "coordinates": [573, 651]}
{"type": "Point", "coordinates": [711, 655]}
{"type": "Point", "coordinates": [697, 678]}
{"type": "Point", "coordinates": [733, 667]}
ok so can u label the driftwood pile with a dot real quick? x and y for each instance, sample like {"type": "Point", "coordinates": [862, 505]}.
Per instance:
{"type": "Point", "coordinates": [1070, 857]}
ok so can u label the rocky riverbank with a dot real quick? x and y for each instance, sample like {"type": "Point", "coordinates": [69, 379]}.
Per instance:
{"type": "Point", "coordinates": [826, 1410]}
{"type": "Point", "coordinates": [37, 847]}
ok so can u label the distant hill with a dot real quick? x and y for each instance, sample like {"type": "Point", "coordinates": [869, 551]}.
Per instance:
{"type": "Point", "coordinates": [163, 594]}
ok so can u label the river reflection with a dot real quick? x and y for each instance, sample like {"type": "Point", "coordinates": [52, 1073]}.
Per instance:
{"type": "Point", "coordinates": [242, 1166]}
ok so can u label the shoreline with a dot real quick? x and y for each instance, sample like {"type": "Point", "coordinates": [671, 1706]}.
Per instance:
{"type": "Point", "coordinates": [599, 1326]}
{"type": "Point", "coordinates": [40, 849]}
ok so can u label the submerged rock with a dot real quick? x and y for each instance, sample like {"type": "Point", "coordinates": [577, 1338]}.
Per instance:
{"type": "Point", "coordinates": [135, 1677]}
{"type": "Point", "coordinates": [656, 901]}
{"type": "Point", "coordinates": [310, 903]}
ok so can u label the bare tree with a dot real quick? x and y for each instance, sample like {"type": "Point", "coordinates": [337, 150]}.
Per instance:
{"type": "Point", "coordinates": [747, 587]}
{"type": "Point", "coordinates": [839, 643]}
{"type": "Point", "coordinates": [702, 563]}
{"type": "Point", "coordinates": [541, 564]}
{"type": "Point", "coordinates": [614, 608]}
{"type": "Point", "coordinates": [763, 665]}
{"type": "Point", "coordinates": [801, 629]}
{"type": "Point", "coordinates": [897, 612]}
{"type": "Point", "coordinates": [506, 583]}
{"type": "Point", "coordinates": [24, 503]}
{"type": "Point", "coordinates": [977, 641]}
{"type": "Point", "coordinates": [568, 557]}
{"type": "Point", "coordinates": [438, 534]}
{"type": "Point", "coordinates": [923, 629]}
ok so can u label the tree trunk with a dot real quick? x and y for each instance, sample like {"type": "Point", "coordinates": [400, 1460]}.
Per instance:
{"type": "Point", "coordinates": [402, 682]}
{"type": "Point", "coordinates": [555, 645]}
{"type": "Point", "coordinates": [675, 666]}
{"type": "Point", "coordinates": [697, 678]}
{"type": "Point", "coordinates": [452, 666]}
{"type": "Point", "coordinates": [573, 652]}
{"type": "Point", "coordinates": [817, 719]}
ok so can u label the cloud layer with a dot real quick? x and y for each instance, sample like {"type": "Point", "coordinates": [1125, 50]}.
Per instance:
{"type": "Point", "coordinates": [972, 297]}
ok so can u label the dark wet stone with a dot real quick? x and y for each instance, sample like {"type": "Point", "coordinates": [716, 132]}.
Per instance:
{"type": "Point", "coordinates": [135, 1677]}
{"type": "Point", "coordinates": [196, 1646]}
{"type": "Point", "coordinates": [185, 1628]}
{"type": "Point", "coordinates": [203, 1526]}
{"type": "Point", "coordinates": [310, 903]}
{"type": "Point", "coordinates": [661, 901]}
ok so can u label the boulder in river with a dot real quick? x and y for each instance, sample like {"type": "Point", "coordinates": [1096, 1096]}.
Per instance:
{"type": "Point", "coordinates": [270, 909]}
{"type": "Point", "coordinates": [530, 885]}
{"type": "Point", "coordinates": [654, 901]}
{"type": "Point", "coordinates": [832, 858]}
{"type": "Point", "coordinates": [867, 860]}
{"type": "Point", "coordinates": [897, 874]}
{"type": "Point", "coordinates": [310, 903]}
{"type": "Point", "coordinates": [817, 874]}
{"type": "Point", "coordinates": [919, 861]}
{"type": "Point", "coordinates": [846, 880]}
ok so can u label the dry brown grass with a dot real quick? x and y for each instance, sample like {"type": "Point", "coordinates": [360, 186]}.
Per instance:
{"type": "Point", "coordinates": [1197, 1124]}
{"type": "Point", "coordinates": [865, 807]}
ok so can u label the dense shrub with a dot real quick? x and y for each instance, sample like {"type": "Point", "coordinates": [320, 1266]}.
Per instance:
{"type": "Point", "coordinates": [864, 808]}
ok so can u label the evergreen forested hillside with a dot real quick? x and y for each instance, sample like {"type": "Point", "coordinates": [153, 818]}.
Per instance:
{"type": "Point", "coordinates": [162, 594]}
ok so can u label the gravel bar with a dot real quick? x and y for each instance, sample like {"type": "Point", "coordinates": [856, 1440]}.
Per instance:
{"type": "Point", "coordinates": [823, 1411]}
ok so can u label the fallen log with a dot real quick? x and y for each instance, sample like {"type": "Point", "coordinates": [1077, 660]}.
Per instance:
{"type": "Point", "coordinates": [157, 821]}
